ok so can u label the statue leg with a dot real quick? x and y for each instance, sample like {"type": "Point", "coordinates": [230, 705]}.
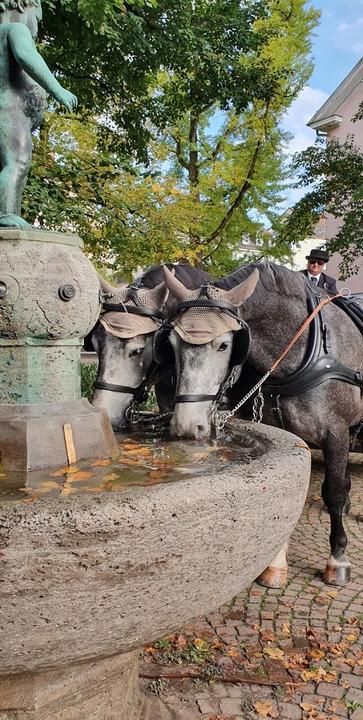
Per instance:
{"type": "Point", "coordinates": [15, 159]}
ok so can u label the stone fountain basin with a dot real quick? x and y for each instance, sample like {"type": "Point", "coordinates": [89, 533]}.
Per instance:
{"type": "Point", "coordinates": [91, 576]}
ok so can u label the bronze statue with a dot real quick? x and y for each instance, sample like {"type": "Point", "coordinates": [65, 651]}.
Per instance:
{"type": "Point", "coordinates": [25, 79]}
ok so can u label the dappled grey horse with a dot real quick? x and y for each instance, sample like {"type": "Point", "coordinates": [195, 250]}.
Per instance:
{"type": "Point", "coordinates": [316, 391]}
{"type": "Point", "coordinates": [123, 340]}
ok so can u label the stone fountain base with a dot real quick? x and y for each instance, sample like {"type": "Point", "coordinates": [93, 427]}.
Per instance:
{"type": "Point", "coordinates": [87, 580]}
{"type": "Point", "coordinates": [99, 690]}
{"type": "Point", "coordinates": [32, 437]}
{"type": "Point", "coordinates": [49, 301]}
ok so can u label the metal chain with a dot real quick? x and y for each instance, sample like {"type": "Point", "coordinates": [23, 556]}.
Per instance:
{"type": "Point", "coordinates": [221, 417]}
{"type": "Point", "coordinates": [258, 403]}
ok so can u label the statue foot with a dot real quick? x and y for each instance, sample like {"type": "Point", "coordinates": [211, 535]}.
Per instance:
{"type": "Point", "coordinates": [14, 221]}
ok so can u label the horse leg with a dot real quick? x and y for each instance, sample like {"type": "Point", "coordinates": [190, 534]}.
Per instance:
{"type": "Point", "coordinates": [348, 482]}
{"type": "Point", "coordinates": [275, 575]}
{"type": "Point", "coordinates": [335, 492]}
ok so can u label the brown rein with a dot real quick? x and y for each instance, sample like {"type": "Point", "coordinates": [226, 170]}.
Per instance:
{"type": "Point", "coordinates": [303, 327]}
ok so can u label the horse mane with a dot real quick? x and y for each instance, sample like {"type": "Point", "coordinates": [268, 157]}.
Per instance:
{"type": "Point", "coordinates": [273, 278]}
{"type": "Point", "coordinates": [190, 276]}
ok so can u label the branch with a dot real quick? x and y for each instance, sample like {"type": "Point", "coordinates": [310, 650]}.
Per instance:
{"type": "Point", "coordinates": [68, 73]}
{"type": "Point", "coordinates": [246, 186]}
{"type": "Point", "coordinates": [234, 676]}
{"type": "Point", "coordinates": [178, 152]}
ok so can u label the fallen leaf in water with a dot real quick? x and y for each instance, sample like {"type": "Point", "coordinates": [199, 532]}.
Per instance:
{"type": "Point", "coordinates": [265, 709]}
{"type": "Point", "coordinates": [274, 653]}
{"type": "Point", "coordinates": [111, 476]}
{"type": "Point", "coordinates": [129, 461]}
{"type": "Point", "coordinates": [49, 485]}
{"type": "Point", "coordinates": [67, 490]}
{"type": "Point", "coordinates": [101, 463]}
{"type": "Point", "coordinates": [65, 470]}
{"type": "Point", "coordinates": [197, 456]}
{"type": "Point", "coordinates": [90, 489]}
{"type": "Point", "coordinates": [81, 475]}
{"type": "Point", "coordinates": [139, 451]}
{"type": "Point", "coordinates": [130, 446]}
{"type": "Point", "coordinates": [155, 476]}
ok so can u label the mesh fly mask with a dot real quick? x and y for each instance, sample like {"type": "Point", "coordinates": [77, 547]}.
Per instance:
{"type": "Point", "coordinates": [201, 318]}
{"type": "Point", "coordinates": [129, 313]}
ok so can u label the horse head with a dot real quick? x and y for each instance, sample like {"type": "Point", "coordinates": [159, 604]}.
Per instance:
{"type": "Point", "coordinates": [123, 340]}
{"type": "Point", "coordinates": [207, 340]}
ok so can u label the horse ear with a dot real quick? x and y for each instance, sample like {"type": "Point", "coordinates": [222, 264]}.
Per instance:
{"type": "Point", "coordinates": [158, 295]}
{"type": "Point", "coordinates": [238, 295]}
{"type": "Point", "coordinates": [177, 288]}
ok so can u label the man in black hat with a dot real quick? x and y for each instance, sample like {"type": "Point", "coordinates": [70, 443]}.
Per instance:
{"type": "Point", "coordinates": [314, 271]}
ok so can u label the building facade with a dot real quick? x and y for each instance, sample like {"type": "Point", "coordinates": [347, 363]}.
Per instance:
{"type": "Point", "coordinates": [335, 120]}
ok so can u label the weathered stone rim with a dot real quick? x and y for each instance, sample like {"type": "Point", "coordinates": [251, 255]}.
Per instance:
{"type": "Point", "coordinates": [98, 575]}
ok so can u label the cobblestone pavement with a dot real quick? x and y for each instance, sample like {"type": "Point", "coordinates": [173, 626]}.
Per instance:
{"type": "Point", "coordinates": [294, 654]}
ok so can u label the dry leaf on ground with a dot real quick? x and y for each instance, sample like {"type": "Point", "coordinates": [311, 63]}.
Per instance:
{"type": "Point", "coordinates": [265, 709]}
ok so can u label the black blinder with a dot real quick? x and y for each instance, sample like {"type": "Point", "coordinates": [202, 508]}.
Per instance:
{"type": "Point", "coordinates": [87, 341]}
{"type": "Point", "coordinates": [163, 352]}
{"type": "Point", "coordinates": [240, 350]}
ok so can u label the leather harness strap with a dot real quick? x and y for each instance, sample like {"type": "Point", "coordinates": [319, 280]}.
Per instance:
{"type": "Point", "coordinates": [206, 301]}
{"type": "Point", "coordinates": [318, 366]}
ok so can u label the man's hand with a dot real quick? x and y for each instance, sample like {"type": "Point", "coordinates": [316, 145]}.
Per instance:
{"type": "Point", "coordinates": [67, 99]}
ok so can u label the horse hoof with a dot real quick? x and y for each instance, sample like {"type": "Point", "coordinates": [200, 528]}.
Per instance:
{"type": "Point", "coordinates": [337, 575]}
{"type": "Point", "coordinates": [273, 578]}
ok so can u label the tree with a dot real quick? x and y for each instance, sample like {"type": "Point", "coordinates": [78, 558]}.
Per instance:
{"type": "Point", "coordinates": [195, 92]}
{"type": "Point", "coordinates": [334, 171]}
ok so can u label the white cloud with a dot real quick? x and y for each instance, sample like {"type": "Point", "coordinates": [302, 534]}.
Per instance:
{"type": "Point", "coordinates": [301, 111]}
{"type": "Point", "coordinates": [349, 35]}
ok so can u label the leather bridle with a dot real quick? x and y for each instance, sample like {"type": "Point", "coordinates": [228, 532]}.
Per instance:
{"type": "Point", "coordinates": [206, 301]}
{"type": "Point", "coordinates": [139, 393]}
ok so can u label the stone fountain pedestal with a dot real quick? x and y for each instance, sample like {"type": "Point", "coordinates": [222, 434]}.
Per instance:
{"type": "Point", "coordinates": [49, 300]}
{"type": "Point", "coordinates": [86, 580]}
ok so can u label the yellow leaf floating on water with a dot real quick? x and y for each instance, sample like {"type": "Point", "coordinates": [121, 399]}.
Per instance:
{"type": "Point", "coordinates": [265, 709]}
{"type": "Point", "coordinates": [81, 475]}
{"type": "Point", "coordinates": [49, 485]}
{"type": "Point", "coordinates": [111, 476]}
{"type": "Point", "coordinates": [67, 491]}
{"type": "Point", "coordinates": [101, 463]}
{"type": "Point", "coordinates": [65, 471]}
{"type": "Point", "coordinates": [274, 653]}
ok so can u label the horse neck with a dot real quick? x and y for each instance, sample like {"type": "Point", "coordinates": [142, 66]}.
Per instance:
{"type": "Point", "coordinates": [273, 324]}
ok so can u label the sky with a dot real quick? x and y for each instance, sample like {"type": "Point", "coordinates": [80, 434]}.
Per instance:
{"type": "Point", "coordinates": [337, 47]}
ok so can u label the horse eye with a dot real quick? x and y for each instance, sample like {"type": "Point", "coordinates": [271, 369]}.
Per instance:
{"type": "Point", "coordinates": [223, 346]}
{"type": "Point", "coordinates": [137, 351]}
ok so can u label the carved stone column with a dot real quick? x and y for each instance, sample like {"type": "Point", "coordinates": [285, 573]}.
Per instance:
{"type": "Point", "coordinates": [49, 300]}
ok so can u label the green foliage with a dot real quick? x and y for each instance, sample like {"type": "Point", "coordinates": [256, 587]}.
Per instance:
{"type": "Point", "coordinates": [88, 377]}
{"type": "Point", "coordinates": [333, 171]}
{"type": "Point", "coordinates": [194, 92]}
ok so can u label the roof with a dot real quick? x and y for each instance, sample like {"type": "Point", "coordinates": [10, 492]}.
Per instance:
{"type": "Point", "coordinates": [328, 116]}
